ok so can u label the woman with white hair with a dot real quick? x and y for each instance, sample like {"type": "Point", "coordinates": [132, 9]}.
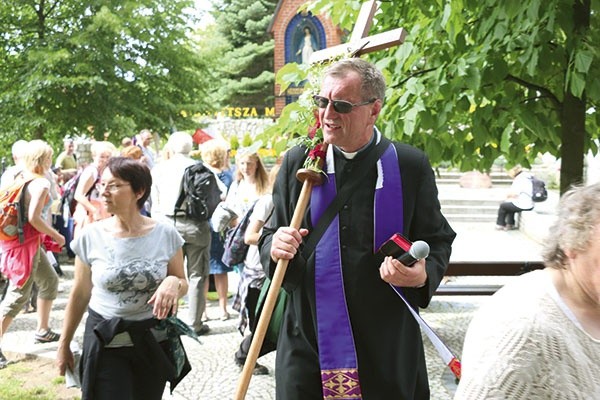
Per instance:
{"type": "Point", "coordinates": [89, 202]}
{"type": "Point", "coordinates": [539, 336]}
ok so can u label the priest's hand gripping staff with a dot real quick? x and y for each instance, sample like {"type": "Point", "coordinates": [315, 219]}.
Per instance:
{"type": "Point", "coordinates": [309, 178]}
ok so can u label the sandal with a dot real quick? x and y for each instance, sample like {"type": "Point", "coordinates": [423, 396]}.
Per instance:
{"type": "Point", "coordinates": [47, 337]}
{"type": "Point", "coordinates": [29, 309]}
{"type": "Point", "coordinates": [3, 361]}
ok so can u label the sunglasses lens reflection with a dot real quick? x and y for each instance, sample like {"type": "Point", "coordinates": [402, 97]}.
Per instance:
{"type": "Point", "coordinates": [343, 107]}
{"type": "Point", "coordinates": [340, 106]}
{"type": "Point", "coordinates": [321, 102]}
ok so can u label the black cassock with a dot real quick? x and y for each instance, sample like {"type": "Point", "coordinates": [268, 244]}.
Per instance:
{"type": "Point", "coordinates": [391, 361]}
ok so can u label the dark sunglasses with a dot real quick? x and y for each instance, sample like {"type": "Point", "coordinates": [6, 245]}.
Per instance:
{"type": "Point", "coordinates": [340, 106]}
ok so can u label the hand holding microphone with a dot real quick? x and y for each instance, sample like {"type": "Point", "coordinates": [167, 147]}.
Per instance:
{"type": "Point", "coordinates": [416, 252]}
{"type": "Point", "coordinates": [404, 250]}
{"type": "Point", "coordinates": [407, 253]}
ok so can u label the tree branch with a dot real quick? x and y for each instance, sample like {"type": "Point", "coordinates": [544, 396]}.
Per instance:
{"type": "Point", "coordinates": [547, 93]}
{"type": "Point", "coordinates": [527, 100]}
{"type": "Point", "coordinates": [418, 73]}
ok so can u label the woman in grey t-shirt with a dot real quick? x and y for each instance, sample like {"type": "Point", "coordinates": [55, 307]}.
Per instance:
{"type": "Point", "coordinates": [129, 271]}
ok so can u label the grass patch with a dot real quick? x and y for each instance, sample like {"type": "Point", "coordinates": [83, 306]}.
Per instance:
{"type": "Point", "coordinates": [34, 378]}
{"type": "Point", "coordinates": [59, 380]}
{"type": "Point", "coordinates": [11, 387]}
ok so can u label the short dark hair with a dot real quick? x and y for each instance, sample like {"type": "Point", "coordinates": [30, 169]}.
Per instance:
{"type": "Point", "coordinates": [135, 173]}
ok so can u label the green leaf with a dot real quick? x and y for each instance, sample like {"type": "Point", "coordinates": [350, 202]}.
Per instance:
{"type": "Point", "coordinates": [505, 139]}
{"type": "Point", "coordinates": [577, 83]}
{"type": "Point", "coordinates": [533, 10]}
{"type": "Point", "coordinates": [289, 74]}
{"type": "Point", "coordinates": [410, 121]}
{"type": "Point", "coordinates": [583, 61]}
{"type": "Point", "coordinates": [473, 78]}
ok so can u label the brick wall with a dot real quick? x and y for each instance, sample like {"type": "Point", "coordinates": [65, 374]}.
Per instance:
{"type": "Point", "coordinates": [287, 10]}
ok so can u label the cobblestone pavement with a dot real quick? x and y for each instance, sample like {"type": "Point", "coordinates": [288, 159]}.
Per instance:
{"type": "Point", "coordinates": [215, 375]}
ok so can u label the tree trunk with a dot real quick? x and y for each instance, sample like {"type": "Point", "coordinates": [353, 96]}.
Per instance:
{"type": "Point", "coordinates": [573, 115]}
{"type": "Point", "coordinates": [573, 135]}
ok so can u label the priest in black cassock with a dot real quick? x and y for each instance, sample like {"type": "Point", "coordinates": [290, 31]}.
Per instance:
{"type": "Point", "coordinates": [346, 334]}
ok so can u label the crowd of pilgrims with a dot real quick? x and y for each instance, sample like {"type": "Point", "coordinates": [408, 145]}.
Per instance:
{"type": "Point", "coordinates": [122, 205]}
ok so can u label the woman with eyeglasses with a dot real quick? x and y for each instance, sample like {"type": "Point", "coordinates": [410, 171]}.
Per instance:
{"type": "Point", "coordinates": [128, 284]}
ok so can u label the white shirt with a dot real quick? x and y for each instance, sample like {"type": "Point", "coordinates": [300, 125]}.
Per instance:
{"type": "Point", "coordinates": [167, 177]}
{"type": "Point", "coordinates": [261, 212]}
{"type": "Point", "coordinates": [523, 187]}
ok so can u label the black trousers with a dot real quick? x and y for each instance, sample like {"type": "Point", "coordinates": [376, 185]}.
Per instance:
{"type": "Point", "coordinates": [121, 375]}
{"type": "Point", "coordinates": [251, 302]}
{"type": "Point", "coordinates": [506, 213]}
{"type": "Point", "coordinates": [267, 347]}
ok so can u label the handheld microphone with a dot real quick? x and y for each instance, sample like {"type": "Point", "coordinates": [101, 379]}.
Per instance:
{"type": "Point", "coordinates": [417, 251]}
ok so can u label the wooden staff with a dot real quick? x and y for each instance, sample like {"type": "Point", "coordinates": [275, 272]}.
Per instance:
{"type": "Point", "coordinates": [309, 178]}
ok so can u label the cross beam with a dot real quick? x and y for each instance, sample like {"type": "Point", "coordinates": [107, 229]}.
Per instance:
{"type": "Point", "coordinates": [359, 42]}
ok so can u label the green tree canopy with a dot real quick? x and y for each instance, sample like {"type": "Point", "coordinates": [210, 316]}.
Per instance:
{"type": "Point", "coordinates": [246, 69]}
{"type": "Point", "coordinates": [479, 79]}
{"type": "Point", "coordinates": [72, 67]}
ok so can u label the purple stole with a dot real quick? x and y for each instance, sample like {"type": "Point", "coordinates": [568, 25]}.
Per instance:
{"type": "Point", "coordinates": [337, 354]}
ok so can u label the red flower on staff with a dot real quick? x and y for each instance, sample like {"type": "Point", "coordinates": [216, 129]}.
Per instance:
{"type": "Point", "coordinates": [315, 148]}
{"type": "Point", "coordinates": [317, 152]}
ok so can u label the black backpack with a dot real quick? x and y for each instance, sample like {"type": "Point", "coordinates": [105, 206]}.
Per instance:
{"type": "Point", "coordinates": [200, 191]}
{"type": "Point", "coordinates": [67, 198]}
{"type": "Point", "coordinates": [539, 192]}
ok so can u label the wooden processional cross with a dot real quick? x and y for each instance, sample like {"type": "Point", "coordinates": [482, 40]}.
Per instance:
{"type": "Point", "coordinates": [359, 44]}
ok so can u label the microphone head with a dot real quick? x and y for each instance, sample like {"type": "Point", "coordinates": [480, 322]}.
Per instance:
{"type": "Point", "coordinates": [419, 249]}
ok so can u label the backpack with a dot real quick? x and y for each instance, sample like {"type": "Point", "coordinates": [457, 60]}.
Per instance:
{"type": "Point", "coordinates": [200, 191]}
{"type": "Point", "coordinates": [275, 323]}
{"type": "Point", "coordinates": [12, 209]}
{"type": "Point", "coordinates": [539, 192]}
{"type": "Point", "coordinates": [67, 198]}
{"type": "Point", "coordinates": [234, 248]}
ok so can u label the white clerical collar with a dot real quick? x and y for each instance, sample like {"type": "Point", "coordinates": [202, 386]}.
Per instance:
{"type": "Point", "coordinates": [350, 155]}
{"type": "Point", "coordinates": [330, 158]}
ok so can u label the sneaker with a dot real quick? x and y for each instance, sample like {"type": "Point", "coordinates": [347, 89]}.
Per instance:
{"type": "Point", "coordinates": [3, 360]}
{"type": "Point", "coordinates": [259, 369]}
{"type": "Point", "coordinates": [500, 228]}
{"type": "Point", "coordinates": [46, 337]}
{"type": "Point", "coordinates": [203, 330]}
